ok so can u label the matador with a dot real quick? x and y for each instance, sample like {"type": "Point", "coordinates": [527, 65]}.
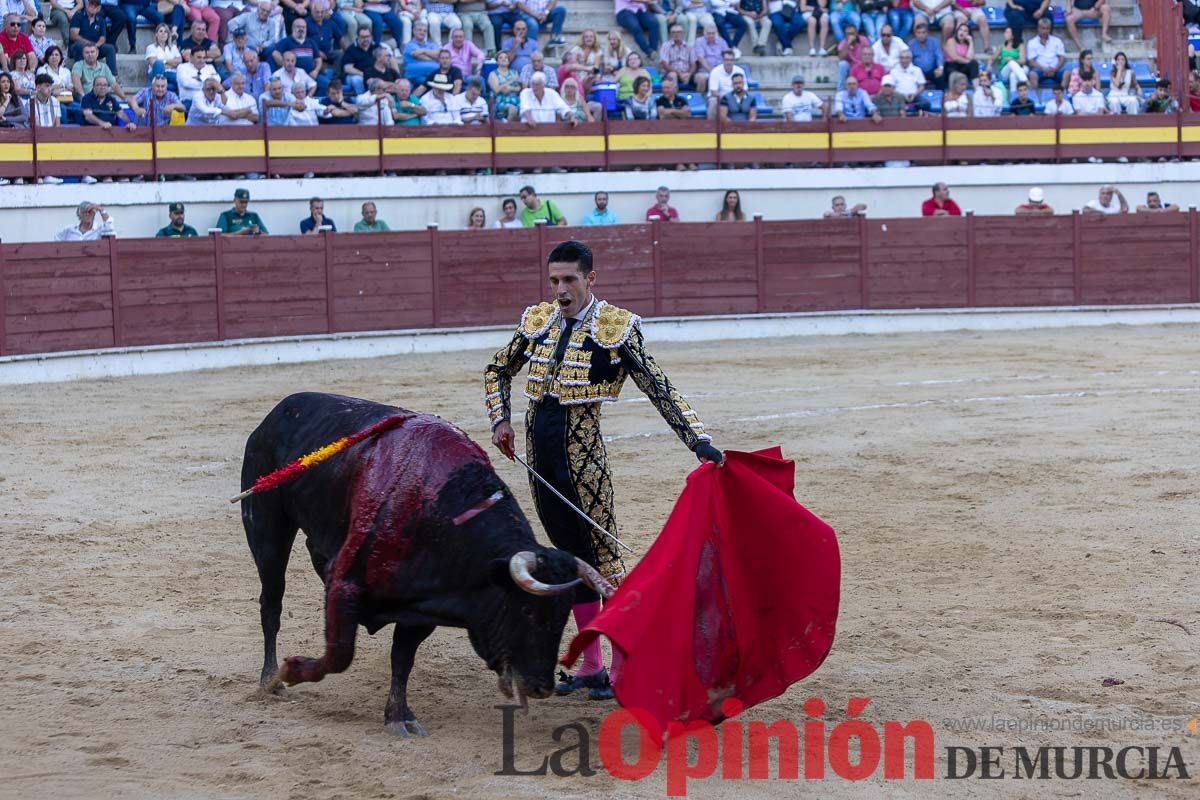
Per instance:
{"type": "Point", "coordinates": [580, 351]}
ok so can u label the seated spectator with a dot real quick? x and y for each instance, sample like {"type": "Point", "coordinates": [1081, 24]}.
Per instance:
{"type": "Point", "coordinates": [540, 105]}
{"type": "Point", "coordinates": [325, 32]}
{"type": "Point", "coordinates": [1047, 55]}
{"type": "Point", "coordinates": [202, 11]}
{"type": "Point", "coordinates": [518, 46]}
{"type": "Point", "coordinates": [275, 103]}
{"type": "Point", "coordinates": [537, 13]}
{"type": "Point", "coordinates": [581, 110]}
{"type": "Point", "coordinates": [86, 229]}
{"type": "Point", "coordinates": [888, 101]}
{"type": "Point", "coordinates": [853, 103]}
{"type": "Point", "coordinates": [708, 52]}
{"type": "Point", "coordinates": [972, 11]}
{"type": "Point", "coordinates": [850, 51]}
{"type": "Point", "coordinates": [739, 105]}
{"type": "Point", "coordinates": [305, 54]}
{"type": "Point", "coordinates": [420, 47]}
{"type": "Point", "coordinates": [376, 106]}
{"type": "Point", "coordinates": [635, 17]}
{"type": "Point", "coordinates": [1011, 61]}
{"type": "Point", "coordinates": [1088, 9]}
{"type": "Point", "coordinates": [662, 210]}
{"type": "Point", "coordinates": [538, 209]}
{"type": "Point", "coordinates": [869, 74]}
{"type": "Point", "coordinates": [927, 55]}
{"type": "Point", "coordinates": [240, 106]}
{"type": "Point", "coordinates": [731, 208]}
{"type": "Point", "coordinates": [472, 108]}
{"type": "Point", "coordinates": [356, 59]}
{"type": "Point", "coordinates": [758, 24]}
{"type": "Point", "coordinates": [192, 75]}
{"type": "Point", "coordinates": [445, 73]}
{"type": "Point", "coordinates": [601, 214]}
{"type": "Point", "coordinates": [987, 101]}
{"type": "Point", "coordinates": [508, 215]}
{"type": "Point", "coordinates": [304, 108]}
{"type": "Point", "coordinates": [669, 104]}
{"type": "Point", "coordinates": [100, 107]}
{"type": "Point", "coordinates": [64, 84]}
{"type": "Point", "coordinates": [1020, 14]}
{"type": "Point", "coordinates": [588, 58]}
{"type": "Point", "coordinates": [935, 14]}
{"type": "Point", "coordinates": [690, 14]}
{"type": "Point", "coordinates": [12, 111]}
{"type": "Point", "coordinates": [291, 75]}
{"type": "Point", "coordinates": [262, 28]}
{"type": "Point", "coordinates": [233, 54]}
{"type": "Point", "coordinates": [316, 218]}
{"type": "Point", "coordinates": [473, 14]}
{"type": "Point", "coordinates": [159, 103]}
{"type": "Point", "coordinates": [1155, 205]}
{"type": "Point", "coordinates": [1036, 206]}
{"type": "Point", "coordinates": [1058, 105]}
{"type": "Point", "coordinates": [959, 52]}
{"type": "Point", "coordinates": [177, 228]}
{"type": "Point", "coordinates": [838, 209]}
{"type": "Point", "coordinates": [45, 106]}
{"type": "Point", "coordinates": [208, 104]}
{"type": "Point", "coordinates": [1088, 101]}
{"type": "Point", "coordinates": [370, 222]}
{"type": "Point", "coordinates": [720, 82]}
{"type": "Point", "coordinates": [1108, 201]}
{"type": "Point", "coordinates": [1073, 80]}
{"type": "Point", "coordinates": [22, 73]}
{"type": "Point", "coordinates": [570, 68]}
{"type": "Point", "coordinates": [940, 204]}
{"type": "Point", "coordinates": [910, 83]}
{"type": "Point", "coordinates": [409, 110]}
{"type": "Point", "coordinates": [40, 41]}
{"type": "Point", "coordinates": [505, 85]}
{"type": "Point", "coordinates": [197, 39]}
{"type": "Point", "coordinates": [786, 28]}
{"type": "Point", "coordinates": [1123, 93]}
{"type": "Point", "coordinates": [256, 73]}
{"type": "Point", "coordinates": [641, 105]}
{"type": "Point", "coordinates": [888, 49]}
{"type": "Point", "coordinates": [1161, 101]}
{"type": "Point", "coordinates": [89, 26]}
{"type": "Point", "coordinates": [464, 55]}
{"type": "Point", "coordinates": [1022, 105]}
{"type": "Point", "coordinates": [627, 74]}
{"type": "Point", "coordinates": [438, 104]}
{"type": "Point", "coordinates": [383, 69]}
{"type": "Point", "coordinates": [85, 71]}
{"type": "Point", "coordinates": [800, 105]}
{"type": "Point", "coordinates": [956, 102]}
{"type": "Point", "coordinates": [677, 60]}
{"type": "Point", "coordinates": [537, 63]}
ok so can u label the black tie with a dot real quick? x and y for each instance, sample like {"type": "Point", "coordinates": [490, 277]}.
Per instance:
{"type": "Point", "coordinates": [564, 337]}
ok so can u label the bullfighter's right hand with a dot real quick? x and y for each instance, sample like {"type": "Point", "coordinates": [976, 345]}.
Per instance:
{"type": "Point", "coordinates": [504, 438]}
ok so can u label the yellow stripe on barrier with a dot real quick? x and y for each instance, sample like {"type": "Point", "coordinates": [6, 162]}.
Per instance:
{"type": "Point", "coordinates": [1117, 135]}
{"type": "Point", "coordinates": [324, 148]}
{"type": "Point", "coordinates": [1001, 137]}
{"type": "Point", "coordinates": [1190, 133]}
{"type": "Point", "coordinates": [774, 141]}
{"type": "Point", "coordinates": [662, 141]}
{"type": "Point", "coordinates": [95, 151]}
{"type": "Point", "coordinates": [860, 140]}
{"type": "Point", "coordinates": [216, 148]}
{"type": "Point", "coordinates": [549, 144]}
{"type": "Point", "coordinates": [16, 152]}
{"type": "Point", "coordinates": [420, 146]}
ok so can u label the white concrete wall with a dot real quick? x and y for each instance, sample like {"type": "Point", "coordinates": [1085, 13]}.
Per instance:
{"type": "Point", "coordinates": [34, 213]}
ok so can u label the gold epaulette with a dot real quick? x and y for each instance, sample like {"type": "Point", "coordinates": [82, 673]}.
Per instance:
{"type": "Point", "coordinates": [611, 325]}
{"type": "Point", "coordinates": [537, 319]}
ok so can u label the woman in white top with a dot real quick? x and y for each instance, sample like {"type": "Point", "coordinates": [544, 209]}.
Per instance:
{"type": "Point", "coordinates": [22, 73]}
{"type": "Point", "coordinates": [1122, 93]}
{"type": "Point", "coordinates": [957, 103]}
{"type": "Point", "coordinates": [162, 54]}
{"type": "Point", "coordinates": [614, 55]}
{"type": "Point", "coordinates": [509, 219]}
{"type": "Point", "coordinates": [61, 75]}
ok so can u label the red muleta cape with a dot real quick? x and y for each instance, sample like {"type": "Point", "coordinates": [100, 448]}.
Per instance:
{"type": "Point", "coordinates": [737, 598]}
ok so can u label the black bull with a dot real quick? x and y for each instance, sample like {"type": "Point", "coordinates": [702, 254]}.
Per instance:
{"type": "Point", "coordinates": [411, 527]}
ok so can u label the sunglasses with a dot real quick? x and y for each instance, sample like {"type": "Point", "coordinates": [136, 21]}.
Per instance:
{"type": "Point", "coordinates": [14, 24]}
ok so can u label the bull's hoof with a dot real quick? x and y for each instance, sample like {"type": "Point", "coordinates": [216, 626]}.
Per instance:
{"type": "Point", "coordinates": [406, 729]}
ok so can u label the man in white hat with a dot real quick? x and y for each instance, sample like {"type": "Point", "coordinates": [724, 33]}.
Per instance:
{"type": "Point", "coordinates": [542, 105]}
{"type": "Point", "coordinates": [439, 106]}
{"type": "Point", "coordinates": [1037, 205]}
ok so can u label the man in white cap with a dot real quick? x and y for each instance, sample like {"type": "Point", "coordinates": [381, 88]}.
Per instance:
{"type": "Point", "coordinates": [800, 105]}
{"type": "Point", "coordinates": [539, 104]}
{"type": "Point", "coordinates": [1037, 205]}
{"type": "Point", "coordinates": [889, 102]}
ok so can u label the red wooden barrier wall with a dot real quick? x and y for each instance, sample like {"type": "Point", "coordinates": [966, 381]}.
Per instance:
{"type": "Point", "coordinates": [114, 292]}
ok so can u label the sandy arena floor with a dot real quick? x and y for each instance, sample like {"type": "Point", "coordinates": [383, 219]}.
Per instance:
{"type": "Point", "coordinates": [1016, 514]}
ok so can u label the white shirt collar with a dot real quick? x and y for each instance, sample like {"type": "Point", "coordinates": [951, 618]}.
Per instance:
{"type": "Point", "coordinates": [583, 314]}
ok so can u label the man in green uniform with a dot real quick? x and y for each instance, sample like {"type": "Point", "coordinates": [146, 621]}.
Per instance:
{"type": "Point", "coordinates": [238, 220]}
{"type": "Point", "coordinates": [178, 229]}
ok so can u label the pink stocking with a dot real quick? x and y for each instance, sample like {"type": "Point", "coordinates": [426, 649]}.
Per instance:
{"type": "Point", "coordinates": [593, 661]}
{"type": "Point", "coordinates": [618, 660]}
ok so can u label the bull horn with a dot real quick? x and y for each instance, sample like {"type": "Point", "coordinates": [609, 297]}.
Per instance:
{"type": "Point", "coordinates": [594, 579]}
{"type": "Point", "coordinates": [519, 567]}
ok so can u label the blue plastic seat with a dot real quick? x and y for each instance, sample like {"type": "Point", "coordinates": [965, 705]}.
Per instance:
{"type": "Point", "coordinates": [696, 103]}
{"type": "Point", "coordinates": [934, 96]}
{"type": "Point", "coordinates": [750, 82]}
{"type": "Point", "coordinates": [1058, 16]}
{"type": "Point", "coordinates": [1142, 73]}
{"type": "Point", "coordinates": [1103, 72]}
{"type": "Point", "coordinates": [765, 109]}
{"type": "Point", "coordinates": [994, 16]}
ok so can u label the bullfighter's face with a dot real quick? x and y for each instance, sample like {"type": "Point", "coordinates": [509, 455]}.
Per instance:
{"type": "Point", "coordinates": [572, 289]}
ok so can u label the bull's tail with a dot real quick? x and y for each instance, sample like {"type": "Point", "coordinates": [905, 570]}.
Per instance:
{"type": "Point", "coordinates": [303, 464]}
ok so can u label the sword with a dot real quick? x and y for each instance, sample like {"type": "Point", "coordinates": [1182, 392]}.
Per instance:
{"type": "Point", "coordinates": [571, 505]}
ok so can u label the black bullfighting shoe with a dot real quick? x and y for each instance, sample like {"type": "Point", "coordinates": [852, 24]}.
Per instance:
{"type": "Point", "coordinates": [597, 681]}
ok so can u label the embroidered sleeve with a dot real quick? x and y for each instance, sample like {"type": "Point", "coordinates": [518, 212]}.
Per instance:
{"type": "Point", "coordinates": [650, 378]}
{"type": "Point", "coordinates": [498, 375]}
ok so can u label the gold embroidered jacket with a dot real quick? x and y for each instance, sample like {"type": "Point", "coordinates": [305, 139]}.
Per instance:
{"type": "Point", "coordinates": [604, 349]}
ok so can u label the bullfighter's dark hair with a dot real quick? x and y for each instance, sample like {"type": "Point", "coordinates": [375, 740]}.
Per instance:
{"type": "Point", "coordinates": [571, 252]}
